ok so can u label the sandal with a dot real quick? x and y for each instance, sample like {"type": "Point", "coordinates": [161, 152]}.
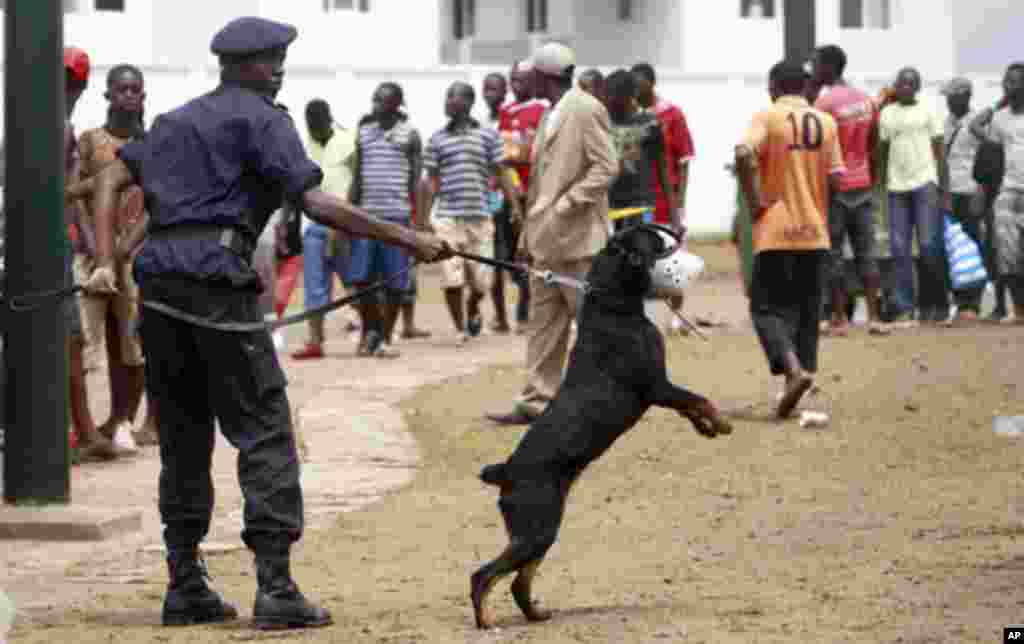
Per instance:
{"type": "Point", "coordinates": [415, 334]}
{"type": "Point", "coordinates": [879, 329]}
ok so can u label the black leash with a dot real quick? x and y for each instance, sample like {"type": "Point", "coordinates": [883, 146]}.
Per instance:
{"type": "Point", "coordinates": [271, 325]}
{"type": "Point", "coordinates": [24, 303]}
{"type": "Point", "coordinates": [549, 277]}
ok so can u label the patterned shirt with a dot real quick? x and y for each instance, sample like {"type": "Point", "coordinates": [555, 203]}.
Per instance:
{"type": "Point", "coordinates": [856, 115]}
{"type": "Point", "coordinates": [386, 160]}
{"type": "Point", "coordinates": [464, 159]}
{"type": "Point", "coordinates": [518, 128]}
{"type": "Point", "coordinates": [639, 142]}
{"type": "Point", "coordinates": [1008, 129]}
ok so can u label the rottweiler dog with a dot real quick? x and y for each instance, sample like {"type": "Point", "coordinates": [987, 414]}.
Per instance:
{"type": "Point", "coordinates": [616, 373]}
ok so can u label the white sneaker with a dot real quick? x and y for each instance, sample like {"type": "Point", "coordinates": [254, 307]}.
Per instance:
{"type": "Point", "coordinates": [124, 442]}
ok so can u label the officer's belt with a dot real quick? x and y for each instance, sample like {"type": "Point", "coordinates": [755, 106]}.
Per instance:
{"type": "Point", "coordinates": [236, 240]}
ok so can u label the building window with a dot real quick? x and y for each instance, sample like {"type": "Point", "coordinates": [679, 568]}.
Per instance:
{"type": "Point", "coordinates": [463, 18]}
{"type": "Point", "coordinates": [536, 16]}
{"type": "Point", "coordinates": [85, 6]}
{"type": "Point", "coordinates": [757, 8]}
{"type": "Point", "coordinates": [625, 10]}
{"type": "Point", "coordinates": [346, 5]}
{"type": "Point", "coordinates": [865, 14]}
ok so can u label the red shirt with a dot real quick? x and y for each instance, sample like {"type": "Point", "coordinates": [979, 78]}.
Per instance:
{"type": "Point", "coordinates": [678, 148]}
{"type": "Point", "coordinates": [856, 114]}
{"type": "Point", "coordinates": [518, 127]}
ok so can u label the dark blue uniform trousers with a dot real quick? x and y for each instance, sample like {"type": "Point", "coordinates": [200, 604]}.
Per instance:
{"type": "Point", "coordinates": [195, 375]}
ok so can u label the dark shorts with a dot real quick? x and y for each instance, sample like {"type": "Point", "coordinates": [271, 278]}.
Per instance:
{"type": "Point", "coordinates": [785, 304]}
{"type": "Point", "coordinates": [851, 215]}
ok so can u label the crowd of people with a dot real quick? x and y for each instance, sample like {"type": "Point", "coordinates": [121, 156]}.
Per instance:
{"type": "Point", "coordinates": [544, 178]}
{"type": "Point", "coordinates": [934, 172]}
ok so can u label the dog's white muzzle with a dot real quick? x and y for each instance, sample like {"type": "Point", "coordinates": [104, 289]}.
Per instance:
{"type": "Point", "coordinates": [673, 272]}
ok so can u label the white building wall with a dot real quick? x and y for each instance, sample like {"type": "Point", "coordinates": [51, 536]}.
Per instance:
{"type": "Point", "coordinates": [653, 34]}
{"type": "Point", "coordinates": [716, 40]}
{"type": "Point", "coordinates": [921, 36]}
{"type": "Point", "coordinates": [987, 35]}
{"type": "Point", "coordinates": [173, 32]}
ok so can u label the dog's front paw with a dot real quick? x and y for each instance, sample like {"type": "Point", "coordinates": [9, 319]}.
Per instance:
{"type": "Point", "coordinates": [707, 421]}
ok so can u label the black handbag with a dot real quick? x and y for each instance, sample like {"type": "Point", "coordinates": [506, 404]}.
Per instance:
{"type": "Point", "coordinates": [989, 165]}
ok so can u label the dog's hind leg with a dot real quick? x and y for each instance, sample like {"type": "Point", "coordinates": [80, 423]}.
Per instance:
{"type": "Point", "coordinates": [514, 558]}
{"type": "Point", "coordinates": [533, 514]}
{"type": "Point", "coordinates": [522, 590]}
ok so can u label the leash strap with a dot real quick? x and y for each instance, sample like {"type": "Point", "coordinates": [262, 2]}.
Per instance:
{"type": "Point", "coordinates": [249, 327]}
{"type": "Point", "coordinates": [549, 277]}
{"type": "Point", "coordinates": [39, 299]}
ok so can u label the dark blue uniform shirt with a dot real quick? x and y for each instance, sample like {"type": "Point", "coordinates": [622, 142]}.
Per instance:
{"type": "Point", "coordinates": [228, 159]}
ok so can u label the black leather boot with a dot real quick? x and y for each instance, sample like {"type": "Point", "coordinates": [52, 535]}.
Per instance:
{"type": "Point", "coordinates": [279, 604]}
{"type": "Point", "coordinates": [189, 600]}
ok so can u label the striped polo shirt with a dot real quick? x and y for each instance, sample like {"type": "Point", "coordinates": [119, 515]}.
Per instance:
{"type": "Point", "coordinates": [465, 160]}
{"type": "Point", "coordinates": [386, 169]}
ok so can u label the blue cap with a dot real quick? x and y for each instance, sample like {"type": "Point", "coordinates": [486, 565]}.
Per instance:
{"type": "Point", "coordinates": [250, 35]}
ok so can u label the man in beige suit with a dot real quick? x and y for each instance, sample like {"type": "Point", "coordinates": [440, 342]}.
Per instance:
{"type": "Point", "coordinates": [566, 225]}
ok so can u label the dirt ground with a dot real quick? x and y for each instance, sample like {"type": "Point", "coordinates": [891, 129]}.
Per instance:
{"type": "Point", "coordinates": [899, 522]}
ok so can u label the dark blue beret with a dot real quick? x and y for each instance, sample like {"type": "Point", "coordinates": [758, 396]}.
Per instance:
{"type": "Point", "coordinates": [250, 35]}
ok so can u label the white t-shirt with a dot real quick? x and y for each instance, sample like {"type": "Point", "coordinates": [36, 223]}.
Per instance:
{"type": "Point", "coordinates": [1008, 129]}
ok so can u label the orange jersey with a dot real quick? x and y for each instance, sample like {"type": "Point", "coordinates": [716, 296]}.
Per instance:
{"type": "Point", "coordinates": [797, 148]}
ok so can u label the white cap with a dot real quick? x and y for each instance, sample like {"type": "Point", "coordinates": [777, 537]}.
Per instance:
{"type": "Point", "coordinates": [554, 59]}
{"type": "Point", "coordinates": [524, 65]}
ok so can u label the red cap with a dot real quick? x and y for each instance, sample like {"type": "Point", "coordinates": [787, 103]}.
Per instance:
{"type": "Point", "coordinates": [76, 61]}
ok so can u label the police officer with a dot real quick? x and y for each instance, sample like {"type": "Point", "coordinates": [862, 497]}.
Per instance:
{"type": "Point", "coordinates": [212, 172]}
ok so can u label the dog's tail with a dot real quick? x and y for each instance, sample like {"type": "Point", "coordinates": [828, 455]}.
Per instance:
{"type": "Point", "coordinates": [494, 474]}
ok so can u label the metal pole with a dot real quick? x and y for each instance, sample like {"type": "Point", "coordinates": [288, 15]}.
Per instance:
{"type": "Point", "coordinates": [799, 29]}
{"type": "Point", "coordinates": [36, 456]}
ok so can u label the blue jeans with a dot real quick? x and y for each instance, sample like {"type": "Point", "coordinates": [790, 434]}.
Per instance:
{"type": "Point", "coordinates": [907, 211]}
{"type": "Point", "coordinates": [319, 269]}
